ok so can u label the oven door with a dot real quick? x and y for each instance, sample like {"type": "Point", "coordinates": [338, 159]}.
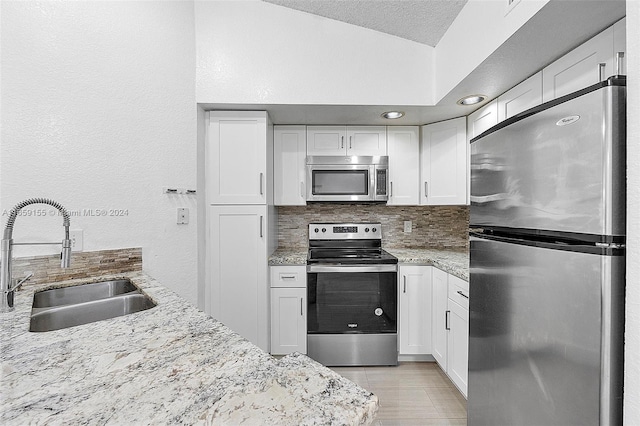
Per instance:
{"type": "Point", "coordinates": [348, 182]}
{"type": "Point", "coordinates": [351, 299]}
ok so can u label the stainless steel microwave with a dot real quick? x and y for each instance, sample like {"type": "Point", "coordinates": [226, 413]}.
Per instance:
{"type": "Point", "coordinates": [347, 178]}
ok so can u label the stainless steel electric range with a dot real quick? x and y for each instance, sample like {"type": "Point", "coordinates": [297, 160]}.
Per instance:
{"type": "Point", "coordinates": [351, 296]}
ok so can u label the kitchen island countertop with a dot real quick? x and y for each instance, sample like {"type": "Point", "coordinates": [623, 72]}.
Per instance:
{"type": "Point", "coordinates": [452, 261]}
{"type": "Point", "coordinates": [166, 365]}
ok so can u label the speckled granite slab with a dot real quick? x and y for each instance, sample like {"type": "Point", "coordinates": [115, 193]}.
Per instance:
{"type": "Point", "coordinates": [455, 262]}
{"type": "Point", "coordinates": [171, 364]}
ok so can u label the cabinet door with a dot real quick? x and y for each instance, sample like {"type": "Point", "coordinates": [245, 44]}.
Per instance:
{"type": "Point", "coordinates": [482, 119]}
{"type": "Point", "coordinates": [236, 172]}
{"type": "Point", "coordinates": [585, 65]}
{"type": "Point", "coordinates": [520, 98]}
{"type": "Point", "coordinates": [444, 163]}
{"type": "Point", "coordinates": [238, 290]}
{"type": "Point", "coordinates": [288, 320]}
{"type": "Point", "coordinates": [366, 140]}
{"type": "Point", "coordinates": [458, 346]}
{"type": "Point", "coordinates": [404, 165]}
{"type": "Point", "coordinates": [289, 161]}
{"type": "Point", "coordinates": [326, 140]}
{"type": "Point", "coordinates": [414, 330]}
{"type": "Point", "coordinates": [439, 332]}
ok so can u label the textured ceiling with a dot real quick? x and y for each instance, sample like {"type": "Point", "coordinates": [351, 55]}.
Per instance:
{"type": "Point", "coordinates": [423, 21]}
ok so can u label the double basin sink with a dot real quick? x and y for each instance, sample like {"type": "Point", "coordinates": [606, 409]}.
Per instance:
{"type": "Point", "coordinates": [82, 304]}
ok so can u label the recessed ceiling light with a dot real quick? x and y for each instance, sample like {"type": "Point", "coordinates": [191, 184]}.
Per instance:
{"type": "Point", "coordinates": [471, 100]}
{"type": "Point", "coordinates": [392, 114]}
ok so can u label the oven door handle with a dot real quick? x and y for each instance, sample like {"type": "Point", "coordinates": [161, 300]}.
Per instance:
{"type": "Point", "coordinates": [352, 269]}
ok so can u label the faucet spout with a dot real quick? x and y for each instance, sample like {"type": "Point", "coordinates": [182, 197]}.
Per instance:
{"type": "Point", "coordinates": [7, 288]}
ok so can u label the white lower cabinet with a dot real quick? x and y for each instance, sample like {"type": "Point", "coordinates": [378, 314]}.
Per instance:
{"type": "Point", "coordinates": [288, 310]}
{"type": "Point", "coordinates": [414, 315]}
{"type": "Point", "coordinates": [458, 346]}
{"type": "Point", "coordinates": [450, 310]}
{"type": "Point", "coordinates": [238, 291]}
{"type": "Point", "coordinates": [439, 317]}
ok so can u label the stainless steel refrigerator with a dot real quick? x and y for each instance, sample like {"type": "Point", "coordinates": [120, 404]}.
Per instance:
{"type": "Point", "coordinates": [547, 268]}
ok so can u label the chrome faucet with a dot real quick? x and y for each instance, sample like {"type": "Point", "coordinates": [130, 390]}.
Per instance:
{"type": "Point", "coordinates": [7, 286]}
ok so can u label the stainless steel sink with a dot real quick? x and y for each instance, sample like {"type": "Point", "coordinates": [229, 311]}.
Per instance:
{"type": "Point", "coordinates": [82, 293]}
{"type": "Point", "coordinates": [86, 303]}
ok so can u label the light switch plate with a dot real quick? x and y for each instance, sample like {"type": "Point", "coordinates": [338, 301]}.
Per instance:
{"type": "Point", "coordinates": [183, 216]}
{"type": "Point", "coordinates": [407, 226]}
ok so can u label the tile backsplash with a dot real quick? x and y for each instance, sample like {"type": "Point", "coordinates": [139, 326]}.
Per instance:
{"type": "Point", "coordinates": [432, 226]}
{"type": "Point", "coordinates": [86, 264]}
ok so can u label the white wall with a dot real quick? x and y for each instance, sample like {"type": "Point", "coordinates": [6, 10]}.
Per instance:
{"type": "Point", "coordinates": [632, 335]}
{"type": "Point", "coordinates": [259, 53]}
{"type": "Point", "coordinates": [98, 112]}
{"type": "Point", "coordinates": [480, 28]}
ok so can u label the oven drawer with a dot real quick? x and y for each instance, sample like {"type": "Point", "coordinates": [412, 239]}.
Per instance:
{"type": "Point", "coordinates": [289, 276]}
{"type": "Point", "coordinates": [459, 291]}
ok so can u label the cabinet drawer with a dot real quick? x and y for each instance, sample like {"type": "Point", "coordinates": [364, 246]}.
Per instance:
{"type": "Point", "coordinates": [289, 276]}
{"type": "Point", "coordinates": [459, 291]}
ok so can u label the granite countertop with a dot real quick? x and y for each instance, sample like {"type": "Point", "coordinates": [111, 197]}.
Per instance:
{"type": "Point", "coordinates": [452, 261]}
{"type": "Point", "coordinates": [168, 364]}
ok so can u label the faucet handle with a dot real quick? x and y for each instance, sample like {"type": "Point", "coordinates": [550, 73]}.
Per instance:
{"type": "Point", "coordinates": [22, 281]}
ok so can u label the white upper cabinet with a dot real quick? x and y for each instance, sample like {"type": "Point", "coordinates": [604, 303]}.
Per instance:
{"type": "Point", "coordinates": [404, 165]}
{"type": "Point", "coordinates": [587, 64]}
{"type": "Point", "coordinates": [525, 95]}
{"type": "Point", "coordinates": [444, 164]}
{"type": "Point", "coordinates": [239, 154]}
{"type": "Point", "coordinates": [289, 159]}
{"type": "Point", "coordinates": [346, 140]}
{"type": "Point", "coordinates": [326, 140]}
{"type": "Point", "coordinates": [482, 119]}
{"type": "Point", "coordinates": [366, 140]}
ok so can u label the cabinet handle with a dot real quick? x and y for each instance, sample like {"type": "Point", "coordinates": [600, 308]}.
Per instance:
{"type": "Point", "coordinates": [390, 189]}
{"type": "Point", "coordinates": [426, 189]}
{"type": "Point", "coordinates": [261, 176]}
{"type": "Point", "coordinates": [462, 294]}
{"type": "Point", "coordinates": [341, 142]}
{"type": "Point", "coordinates": [404, 288]}
{"type": "Point", "coordinates": [261, 233]}
{"type": "Point", "coordinates": [619, 58]}
{"type": "Point", "coordinates": [302, 190]}
{"type": "Point", "coordinates": [350, 140]}
{"type": "Point", "coordinates": [288, 277]}
{"type": "Point", "coordinates": [601, 67]}
{"type": "Point", "coordinates": [301, 301]}
{"type": "Point", "coordinates": [446, 320]}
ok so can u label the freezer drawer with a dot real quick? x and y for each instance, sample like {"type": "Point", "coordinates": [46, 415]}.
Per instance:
{"type": "Point", "coordinates": [546, 336]}
{"type": "Point", "coordinates": [560, 169]}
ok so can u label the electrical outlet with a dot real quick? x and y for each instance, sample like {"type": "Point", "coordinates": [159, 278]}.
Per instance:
{"type": "Point", "coordinates": [76, 238]}
{"type": "Point", "coordinates": [407, 226]}
{"type": "Point", "coordinates": [183, 216]}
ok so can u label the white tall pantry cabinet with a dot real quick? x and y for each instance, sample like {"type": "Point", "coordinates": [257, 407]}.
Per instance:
{"type": "Point", "coordinates": [242, 222]}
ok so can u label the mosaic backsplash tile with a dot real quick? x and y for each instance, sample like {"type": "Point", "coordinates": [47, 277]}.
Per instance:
{"type": "Point", "coordinates": [433, 226]}
{"type": "Point", "coordinates": [85, 264]}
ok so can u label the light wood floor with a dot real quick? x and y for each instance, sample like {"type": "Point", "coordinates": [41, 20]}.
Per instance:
{"type": "Point", "coordinates": [413, 393]}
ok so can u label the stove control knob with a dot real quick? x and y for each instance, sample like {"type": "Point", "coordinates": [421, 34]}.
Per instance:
{"type": "Point", "coordinates": [316, 230]}
{"type": "Point", "coordinates": [324, 229]}
{"type": "Point", "coordinates": [374, 229]}
{"type": "Point", "coordinates": [366, 229]}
